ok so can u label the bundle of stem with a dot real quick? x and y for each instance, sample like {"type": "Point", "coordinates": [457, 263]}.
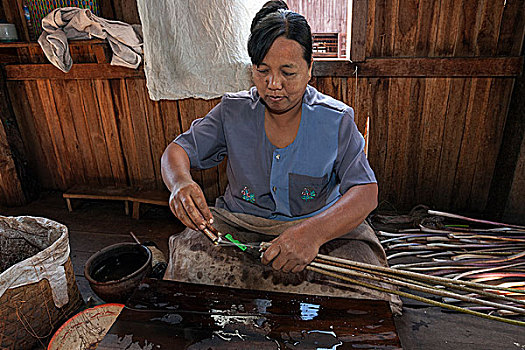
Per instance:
{"type": "Point", "coordinates": [342, 268]}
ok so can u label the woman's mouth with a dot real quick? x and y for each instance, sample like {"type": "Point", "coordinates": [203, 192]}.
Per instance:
{"type": "Point", "coordinates": [275, 98]}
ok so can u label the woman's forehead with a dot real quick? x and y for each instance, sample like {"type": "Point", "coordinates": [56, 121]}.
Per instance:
{"type": "Point", "coordinates": [284, 52]}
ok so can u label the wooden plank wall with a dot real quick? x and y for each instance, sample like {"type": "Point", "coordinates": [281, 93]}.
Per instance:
{"type": "Point", "coordinates": [433, 141]}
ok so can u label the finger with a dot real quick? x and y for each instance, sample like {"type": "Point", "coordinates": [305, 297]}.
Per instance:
{"type": "Point", "coordinates": [289, 266]}
{"type": "Point", "coordinates": [298, 268]}
{"type": "Point", "coordinates": [193, 213]}
{"type": "Point", "coordinates": [279, 262]}
{"type": "Point", "coordinates": [202, 206]}
{"type": "Point", "coordinates": [183, 217]}
{"type": "Point", "coordinates": [270, 253]}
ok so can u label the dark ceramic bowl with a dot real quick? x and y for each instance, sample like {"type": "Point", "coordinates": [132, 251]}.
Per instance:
{"type": "Point", "coordinates": [115, 271]}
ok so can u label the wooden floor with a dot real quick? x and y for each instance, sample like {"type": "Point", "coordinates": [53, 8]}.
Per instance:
{"type": "Point", "coordinates": [94, 225]}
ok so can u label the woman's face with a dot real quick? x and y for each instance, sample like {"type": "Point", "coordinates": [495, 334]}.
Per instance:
{"type": "Point", "coordinates": [282, 76]}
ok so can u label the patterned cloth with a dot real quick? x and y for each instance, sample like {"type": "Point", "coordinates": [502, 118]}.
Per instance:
{"type": "Point", "coordinates": [192, 258]}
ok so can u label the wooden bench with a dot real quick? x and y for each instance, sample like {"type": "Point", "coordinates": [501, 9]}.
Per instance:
{"type": "Point", "coordinates": [127, 194]}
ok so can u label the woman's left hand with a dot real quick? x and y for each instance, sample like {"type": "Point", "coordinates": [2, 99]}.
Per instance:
{"type": "Point", "coordinates": [292, 250]}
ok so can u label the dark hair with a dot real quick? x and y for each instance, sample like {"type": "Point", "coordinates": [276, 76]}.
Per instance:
{"type": "Point", "coordinates": [273, 20]}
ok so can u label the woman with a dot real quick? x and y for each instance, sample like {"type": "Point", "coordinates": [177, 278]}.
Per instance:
{"type": "Point", "coordinates": [296, 165]}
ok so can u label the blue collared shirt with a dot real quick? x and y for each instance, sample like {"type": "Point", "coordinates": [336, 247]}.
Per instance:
{"type": "Point", "coordinates": [297, 181]}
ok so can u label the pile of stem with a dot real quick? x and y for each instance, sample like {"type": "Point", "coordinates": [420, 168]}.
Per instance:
{"type": "Point", "coordinates": [356, 272]}
{"type": "Point", "coordinates": [464, 253]}
{"type": "Point", "coordinates": [478, 255]}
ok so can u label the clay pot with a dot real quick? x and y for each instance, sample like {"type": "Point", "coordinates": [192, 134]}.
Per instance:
{"type": "Point", "coordinates": [115, 271]}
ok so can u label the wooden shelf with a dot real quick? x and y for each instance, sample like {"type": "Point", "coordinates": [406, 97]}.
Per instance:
{"type": "Point", "coordinates": [72, 43]}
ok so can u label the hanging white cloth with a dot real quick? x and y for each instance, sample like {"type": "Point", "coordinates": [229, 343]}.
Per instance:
{"type": "Point", "coordinates": [196, 48]}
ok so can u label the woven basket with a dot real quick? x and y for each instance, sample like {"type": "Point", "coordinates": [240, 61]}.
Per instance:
{"type": "Point", "coordinates": [28, 312]}
{"type": "Point", "coordinates": [29, 316]}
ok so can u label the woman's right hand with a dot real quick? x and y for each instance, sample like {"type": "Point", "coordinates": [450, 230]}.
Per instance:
{"type": "Point", "coordinates": [188, 203]}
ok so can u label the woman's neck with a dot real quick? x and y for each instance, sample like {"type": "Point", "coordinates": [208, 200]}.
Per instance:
{"type": "Point", "coordinates": [281, 129]}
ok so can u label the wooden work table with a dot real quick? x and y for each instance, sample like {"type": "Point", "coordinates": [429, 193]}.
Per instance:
{"type": "Point", "coordinates": [173, 315]}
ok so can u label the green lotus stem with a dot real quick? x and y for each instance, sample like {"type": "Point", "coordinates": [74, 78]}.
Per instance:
{"type": "Point", "coordinates": [419, 288]}
{"type": "Point", "coordinates": [415, 297]}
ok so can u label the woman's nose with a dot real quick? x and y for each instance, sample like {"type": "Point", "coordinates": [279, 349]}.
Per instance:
{"type": "Point", "coordinates": [274, 82]}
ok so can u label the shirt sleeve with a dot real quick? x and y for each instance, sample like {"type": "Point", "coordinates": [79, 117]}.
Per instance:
{"type": "Point", "coordinates": [204, 141]}
{"type": "Point", "coordinates": [351, 165]}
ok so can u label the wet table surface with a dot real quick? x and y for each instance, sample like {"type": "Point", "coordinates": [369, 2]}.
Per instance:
{"type": "Point", "coordinates": [173, 315]}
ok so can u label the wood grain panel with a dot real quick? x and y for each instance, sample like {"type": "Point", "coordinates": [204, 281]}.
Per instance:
{"type": "Point", "coordinates": [171, 119]}
{"type": "Point", "coordinates": [405, 26]}
{"type": "Point", "coordinates": [67, 145]}
{"type": "Point", "coordinates": [469, 20]}
{"type": "Point", "coordinates": [471, 140]}
{"type": "Point", "coordinates": [447, 28]}
{"type": "Point", "coordinates": [379, 130]}
{"type": "Point", "coordinates": [11, 192]}
{"type": "Point", "coordinates": [396, 143]}
{"type": "Point", "coordinates": [156, 132]}
{"type": "Point", "coordinates": [106, 111]}
{"type": "Point", "coordinates": [431, 129]}
{"type": "Point", "coordinates": [50, 168]}
{"type": "Point", "coordinates": [35, 158]}
{"type": "Point", "coordinates": [512, 28]}
{"type": "Point", "coordinates": [132, 162]}
{"type": "Point", "coordinates": [488, 34]}
{"type": "Point", "coordinates": [414, 112]}
{"type": "Point", "coordinates": [359, 30]}
{"type": "Point", "coordinates": [139, 133]}
{"type": "Point", "coordinates": [427, 28]}
{"type": "Point", "coordinates": [97, 151]}
{"type": "Point", "coordinates": [489, 143]}
{"type": "Point", "coordinates": [514, 209]}
{"type": "Point", "coordinates": [383, 29]}
{"type": "Point", "coordinates": [458, 98]}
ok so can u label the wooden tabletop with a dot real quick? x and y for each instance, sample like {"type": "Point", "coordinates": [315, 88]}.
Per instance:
{"type": "Point", "coordinates": [173, 315]}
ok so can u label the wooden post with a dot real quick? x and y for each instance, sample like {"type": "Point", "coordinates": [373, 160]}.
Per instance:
{"type": "Point", "coordinates": [358, 34]}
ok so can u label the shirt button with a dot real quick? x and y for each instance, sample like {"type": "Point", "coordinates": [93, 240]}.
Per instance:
{"type": "Point", "coordinates": [274, 189]}
{"type": "Point", "coordinates": [277, 156]}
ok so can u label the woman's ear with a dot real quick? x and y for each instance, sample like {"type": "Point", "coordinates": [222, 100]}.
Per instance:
{"type": "Point", "coordinates": [310, 69]}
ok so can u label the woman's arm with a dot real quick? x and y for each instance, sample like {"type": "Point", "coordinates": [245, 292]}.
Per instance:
{"type": "Point", "coordinates": [187, 200]}
{"type": "Point", "coordinates": [297, 247]}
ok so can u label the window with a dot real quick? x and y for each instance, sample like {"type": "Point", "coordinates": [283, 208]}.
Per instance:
{"type": "Point", "coordinates": [329, 21]}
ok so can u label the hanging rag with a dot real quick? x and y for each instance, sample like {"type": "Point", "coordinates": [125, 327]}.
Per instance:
{"type": "Point", "coordinates": [196, 48]}
{"type": "Point", "coordinates": [74, 23]}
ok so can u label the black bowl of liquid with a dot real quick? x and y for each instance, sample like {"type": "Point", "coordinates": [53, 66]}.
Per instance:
{"type": "Point", "coordinates": [115, 271]}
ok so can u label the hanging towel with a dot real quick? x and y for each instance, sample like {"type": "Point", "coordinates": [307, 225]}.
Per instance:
{"type": "Point", "coordinates": [196, 48]}
{"type": "Point", "coordinates": [74, 23]}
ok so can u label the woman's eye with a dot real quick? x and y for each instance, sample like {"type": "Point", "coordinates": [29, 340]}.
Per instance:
{"type": "Point", "coordinates": [262, 71]}
{"type": "Point", "coordinates": [288, 74]}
